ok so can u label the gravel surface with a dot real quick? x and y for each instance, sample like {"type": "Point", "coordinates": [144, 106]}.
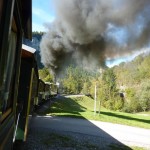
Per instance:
{"type": "Point", "coordinates": [55, 134]}
{"type": "Point", "coordinates": [43, 139]}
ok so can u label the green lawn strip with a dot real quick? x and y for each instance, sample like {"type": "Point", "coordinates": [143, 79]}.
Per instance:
{"type": "Point", "coordinates": [144, 113]}
{"type": "Point", "coordinates": [120, 118]}
{"type": "Point", "coordinates": [82, 107]}
{"type": "Point", "coordinates": [118, 147]}
{"type": "Point", "coordinates": [138, 148]}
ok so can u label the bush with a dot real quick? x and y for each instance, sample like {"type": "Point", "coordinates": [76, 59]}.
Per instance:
{"type": "Point", "coordinates": [119, 103]}
{"type": "Point", "coordinates": [109, 104]}
{"type": "Point", "coordinates": [132, 106]}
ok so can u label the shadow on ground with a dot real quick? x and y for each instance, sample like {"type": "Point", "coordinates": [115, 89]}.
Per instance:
{"type": "Point", "coordinates": [63, 133]}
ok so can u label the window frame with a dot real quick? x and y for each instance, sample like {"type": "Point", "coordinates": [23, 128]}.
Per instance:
{"type": "Point", "coordinates": [12, 23]}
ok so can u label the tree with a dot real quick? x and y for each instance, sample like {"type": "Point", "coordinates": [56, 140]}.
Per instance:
{"type": "Point", "coordinates": [86, 87]}
{"type": "Point", "coordinates": [144, 95]}
{"type": "Point", "coordinates": [76, 80]}
{"type": "Point", "coordinates": [119, 103]}
{"type": "Point", "coordinates": [109, 82]}
{"type": "Point", "coordinates": [134, 76]}
{"type": "Point", "coordinates": [45, 75]}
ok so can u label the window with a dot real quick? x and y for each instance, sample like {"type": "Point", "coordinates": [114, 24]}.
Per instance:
{"type": "Point", "coordinates": [6, 96]}
{"type": "Point", "coordinates": [9, 52]}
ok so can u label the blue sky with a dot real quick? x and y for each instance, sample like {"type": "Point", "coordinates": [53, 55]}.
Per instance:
{"type": "Point", "coordinates": [42, 12]}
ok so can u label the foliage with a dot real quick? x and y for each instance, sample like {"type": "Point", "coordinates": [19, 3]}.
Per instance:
{"type": "Point", "coordinates": [37, 34]}
{"type": "Point", "coordinates": [132, 104]}
{"type": "Point", "coordinates": [131, 79]}
{"type": "Point", "coordinates": [111, 99]}
{"type": "Point", "coordinates": [86, 87]}
{"type": "Point", "coordinates": [76, 80]}
{"type": "Point", "coordinates": [119, 103]}
{"type": "Point", "coordinates": [145, 96]}
{"type": "Point", "coordinates": [45, 75]}
{"type": "Point", "coordinates": [134, 77]}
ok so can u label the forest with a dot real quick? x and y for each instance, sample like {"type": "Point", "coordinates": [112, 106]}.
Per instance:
{"type": "Point", "coordinates": [125, 87]}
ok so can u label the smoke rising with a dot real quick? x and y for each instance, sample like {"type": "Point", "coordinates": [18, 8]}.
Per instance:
{"type": "Point", "coordinates": [87, 32]}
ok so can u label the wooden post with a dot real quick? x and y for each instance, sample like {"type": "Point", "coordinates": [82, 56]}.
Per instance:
{"type": "Point", "coordinates": [95, 100]}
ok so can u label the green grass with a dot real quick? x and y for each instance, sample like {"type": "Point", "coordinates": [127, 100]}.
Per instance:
{"type": "Point", "coordinates": [82, 107]}
{"type": "Point", "coordinates": [118, 147]}
{"type": "Point", "coordinates": [138, 148]}
{"type": "Point", "coordinates": [144, 113]}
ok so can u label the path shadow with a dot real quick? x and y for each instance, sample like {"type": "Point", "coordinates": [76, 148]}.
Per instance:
{"type": "Point", "coordinates": [60, 107]}
{"type": "Point", "coordinates": [82, 133]}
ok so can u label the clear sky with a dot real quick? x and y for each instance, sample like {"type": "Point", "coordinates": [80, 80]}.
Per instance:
{"type": "Point", "coordinates": [42, 12]}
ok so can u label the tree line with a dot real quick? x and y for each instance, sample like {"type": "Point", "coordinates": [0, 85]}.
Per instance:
{"type": "Point", "coordinates": [122, 88]}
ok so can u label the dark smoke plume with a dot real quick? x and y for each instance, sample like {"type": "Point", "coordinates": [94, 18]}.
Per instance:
{"type": "Point", "coordinates": [87, 32]}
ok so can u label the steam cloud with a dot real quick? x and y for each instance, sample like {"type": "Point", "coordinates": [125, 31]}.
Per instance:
{"type": "Point", "coordinates": [87, 32]}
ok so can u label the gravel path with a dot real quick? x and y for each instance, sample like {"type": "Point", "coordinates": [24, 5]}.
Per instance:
{"type": "Point", "coordinates": [60, 133]}
{"type": "Point", "coordinates": [43, 139]}
{"type": "Point", "coordinates": [57, 133]}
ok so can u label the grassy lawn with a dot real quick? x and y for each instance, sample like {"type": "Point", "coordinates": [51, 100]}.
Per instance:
{"type": "Point", "coordinates": [82, 107]}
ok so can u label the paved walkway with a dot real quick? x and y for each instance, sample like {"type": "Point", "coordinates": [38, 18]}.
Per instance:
{"type": "Point", "coordinates": [113, 133]}
{"type": "Point", "coordinates": [126, 134]}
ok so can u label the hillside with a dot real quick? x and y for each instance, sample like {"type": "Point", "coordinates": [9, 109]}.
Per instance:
{"type": "Point", "coordinates": [133, 73]}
